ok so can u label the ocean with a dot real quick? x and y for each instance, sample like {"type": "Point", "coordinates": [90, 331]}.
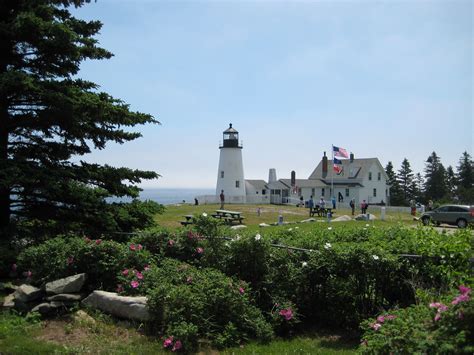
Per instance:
{"type": "Point", "coordinates": [171, 196]}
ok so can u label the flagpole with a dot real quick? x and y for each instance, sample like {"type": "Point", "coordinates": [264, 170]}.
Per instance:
{"type": "Point", "coordinates": [332, 172]}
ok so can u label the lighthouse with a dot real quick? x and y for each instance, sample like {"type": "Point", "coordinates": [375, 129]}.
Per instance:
{"type": "Point", "coordinates": [230, 175]}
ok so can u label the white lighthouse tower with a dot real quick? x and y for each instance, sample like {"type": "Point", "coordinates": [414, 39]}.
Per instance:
{"type": "Point", "coordinates": [230, 176]}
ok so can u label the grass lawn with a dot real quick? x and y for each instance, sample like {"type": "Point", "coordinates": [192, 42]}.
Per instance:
{"type": "Point", "coordinates": [269, 214]}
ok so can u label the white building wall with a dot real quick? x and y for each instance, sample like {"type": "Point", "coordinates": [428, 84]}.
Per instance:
{"type": "Point", "coordinates": [367, 192]}
{"type": "Point", "coordinates": [230, 162]}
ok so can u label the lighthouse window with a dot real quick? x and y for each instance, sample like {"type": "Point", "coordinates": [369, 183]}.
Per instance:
{"type": "Point", "coordinates": [222, 174]}
{"type": "Point", "coordinates": [237, 184]}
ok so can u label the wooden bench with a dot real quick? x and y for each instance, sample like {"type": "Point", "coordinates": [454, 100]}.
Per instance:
{"type": "Point", "coordinates": [228, 216]}
{"type": "Point", "coordinates": [189, 220]}
{"type": "Point", "coordinates": [321, 212]}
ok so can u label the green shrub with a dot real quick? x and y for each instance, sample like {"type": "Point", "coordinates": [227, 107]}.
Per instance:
{"type": "Point", "coordinates": [184, 297]}
{"type": "Point", "coordinates": [442, 327]}
{"type": "Point", "coordinates": [101, 260]}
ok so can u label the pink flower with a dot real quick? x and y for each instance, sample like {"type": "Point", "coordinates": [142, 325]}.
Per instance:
{"type": "Point", "coordinates": [132, 247]}
{"type": "Point", "coordinates": [70, 260]}
{"type": "Point", "coordinates": [437, 317]}
{"type": "Point", "coordinates": [134, 284]}
{"type": "Point", "coordinates": [390, 317]}
{"type": "Point", "coordinates": [435, 305]}
{"type": "Point", "coordinates": [199, 250]}
{"type": "Point", "coordinates": [170, 242]}
{"type": "Point", "coordinates": [464, 290]}
{"type": "Point", "coordinates": [139, 275]}
{"type": "Point", "coordinates": [14, 267]}
{"type": "Point", "coordinates": [380, 319]}
{"type": "Point", "coordinates": [98, 241]}
{"type": "Point", "coordinates": [119, 288]}
{"type": "Point", "coordinates": [139, 247]}
{"type": "Point", "coordinates": [461, 298]}
{"type": "Point", "coordinates": [177, 346]}
{"type": "Point", "coordinates": [168, 342]}
{"type": "Point", "coordinates": [286, 313]}
{"type": "Point", "coordinates": [146, 268]}
{"type": "Point", "coordinates": [442, 308]}
{"type": "Point", "coordinates": [27, 274]}
{"type": "Point", "coordinates": [241, 290]}
{"type": "Point", "coordinates": [376, 326]}
{"type": "Point", "coordinates": [189, 279]}
{"type": "Point", "coordinates": [125, 272]}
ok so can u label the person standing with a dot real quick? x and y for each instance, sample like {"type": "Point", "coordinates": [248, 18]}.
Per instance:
{"type": "Point", "coordinates": [310, 205]}
{"type": "Point", "coordinates": [352, 204]}
{"type": "Point", "coordinates": [222, 197]}
{"type": "Point", "coordinates": [413, 207]}
{"type": "Point", "coordinates": [363, 207]}
{"type": "Point", "coordinates": [333, 200]}
{"type": "Point", "coordinates": [322, 203]}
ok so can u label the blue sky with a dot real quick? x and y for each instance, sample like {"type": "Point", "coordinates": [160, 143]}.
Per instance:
{"type": "Point", "coordinates": [386, 79]}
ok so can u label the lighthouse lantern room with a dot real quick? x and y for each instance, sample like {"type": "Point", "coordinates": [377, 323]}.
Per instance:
{"type": "Point", "coordinates": [230, 175]}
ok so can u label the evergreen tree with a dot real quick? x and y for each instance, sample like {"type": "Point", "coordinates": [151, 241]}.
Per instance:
{"type": "Point", "coordinates": [405, 180]}
{"type": "Point", "coordinates": [49, 119]}
{"type": "Point", "coordinates": [395, 191]}
{"type": "Point", "coordinates": [450, 183]}
{"type": "Point", "coordinates": [435, 178]}
{"type": "Point", "coordinates": [465, 179]}
{"type": "Point", "coordinates": [417, 187]}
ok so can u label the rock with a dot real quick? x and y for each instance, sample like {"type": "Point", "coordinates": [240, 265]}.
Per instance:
{"type": "Point", "coordinates": [264, 225]}
{"type": "Point", "coordinates": [308, 220]}
{"type": "Point", "coordinates": [365, 217]}
{"type": "Point", "coordinates": [343, 218]}
{"type": "Point", "coordinates": [69, 284]}
{"type": "Point", "coordinates": [27, 293]}
{"type": "Point", "coordinates": [68, 297]}
{"type": "Point", "coordinates": [120, 306]}
{"type": "Point", "coordinates": [240, 226]}
{"type": "Point", "coordinates": [9, 301]}
{"type": "Point", "coordinates": [45, 308]}
{"type": "Point", "coordinates": [82, 317]}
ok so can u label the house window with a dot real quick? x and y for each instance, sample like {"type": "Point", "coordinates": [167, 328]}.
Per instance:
{"type": "Point", "coordinates": [313, 192]}
{"type": "Point", "coordinates": [379, 176]}
{"type": "Point", "coordinates": [386, 192]}
{"type": "Point", "coordinates": [222, 174]}
{"type": "Point", "coordinates": [375, 192]}
{"type": "Point", "coordinates": [347, 192]}
{"type": "Point", "coordinates": [322, 191]}
{"type": "Point", "coordinates": [370, 175]}
{"type": "Point", "coordinates": [237, 184]}
{"type": "Point", "coordinates": [263, 192]}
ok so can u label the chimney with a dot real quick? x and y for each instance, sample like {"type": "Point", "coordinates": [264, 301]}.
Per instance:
{"type": "Point", "coordinates": [325, 165]}
{"type": "Point", "coordinates": [272, 175]}
{"type": "Point", "coordinates": [293, 178]}
{"type": "Point", "coordinates": [351, 157]}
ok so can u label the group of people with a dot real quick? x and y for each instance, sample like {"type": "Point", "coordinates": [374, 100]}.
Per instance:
{"type": "Point", "coordinates": [322, 204]}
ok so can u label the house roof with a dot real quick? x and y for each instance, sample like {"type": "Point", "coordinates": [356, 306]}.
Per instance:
{"type": "Point", "coordinates": [278, 185]}
{"type": "Point", "coordinates": [353, 172]}
{"type": "Point", "coordinates": [257, 184]}
{"type": "Point", "coordinates": [304, 183]}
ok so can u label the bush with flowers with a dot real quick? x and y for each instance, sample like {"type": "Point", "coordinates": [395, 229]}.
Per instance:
{"type": "Point", "coordinates": [102, 260]}
{"type": "Point", "coordinates": [443, 326]}
{"type": "Point", "coordinates": [220, 307]}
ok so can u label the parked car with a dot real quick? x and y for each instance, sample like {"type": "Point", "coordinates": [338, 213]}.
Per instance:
{"type": "Point", "coordinates": [459, 215]}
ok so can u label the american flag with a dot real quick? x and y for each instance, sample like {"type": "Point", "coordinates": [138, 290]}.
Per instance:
{"type": "Point", "coordinates": [340, 152]}
{"type": "Point", "coordinates": [337, 166]}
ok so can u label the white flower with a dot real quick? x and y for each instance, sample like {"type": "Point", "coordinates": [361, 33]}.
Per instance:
{"type": "Point", "coordinates": [290, 229]}
{"type": "Point", "coordinates": [258, 237]}
{"type": "Point", "coordinates": [297, 227]}
{"type": "Point", "coordinates": [204, 214]}
{"type": "Point", "coordinates": [375, 257]}
{"type": "Point", "coordinates": [304, 263]}
{"type": "Point", "coordinates": [451, 255]}
{"type": "Point", "coordinates": [364, 228]}
{"type": "Point", "coordinates": [327, 246]}
{"type": "Point", "coordinates": [367, 225]}
{"type": "Point", "coordinates": [329, 228]}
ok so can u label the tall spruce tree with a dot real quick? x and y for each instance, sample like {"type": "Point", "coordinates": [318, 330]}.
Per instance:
{"type": "Point", "coordinates": [435, 178]}
{"type": "Point", "coordinates": [405, 180]}
{"type": "Point", "coordinates": [417, 187]}
{"type": "Point", "coordinates": [49, 118]}
{"type": "Point", "coordinates": [450, 183]}
{"type": "Point", "coordinates": [396, 198]}
{"type": "Point", "coordinates": [465, 179]}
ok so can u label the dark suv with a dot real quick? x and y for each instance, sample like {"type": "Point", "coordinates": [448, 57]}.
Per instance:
{"type": "Point", "coordinates": [460, 215]}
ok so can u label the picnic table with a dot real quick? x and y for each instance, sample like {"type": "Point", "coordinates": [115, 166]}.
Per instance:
{"type": "Point", "coordinates": [189, 220]}
{"type": "Point", "coordinates": [228, 216]}
{"type": "Point", "coordinates": [320, 211]}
